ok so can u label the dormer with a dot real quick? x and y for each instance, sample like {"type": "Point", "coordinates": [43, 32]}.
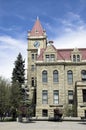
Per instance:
{"type": "Point", "coordinates": [76, 55]}
{"type": "Point", "coordinates": [50, 53]}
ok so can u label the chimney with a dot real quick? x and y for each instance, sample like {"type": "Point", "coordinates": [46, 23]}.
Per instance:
{"type": "Point", "coordinates": [50, 42]}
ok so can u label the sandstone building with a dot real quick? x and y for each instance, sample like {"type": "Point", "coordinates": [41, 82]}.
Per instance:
{"type": "Point", "coordinates": [56, 77]}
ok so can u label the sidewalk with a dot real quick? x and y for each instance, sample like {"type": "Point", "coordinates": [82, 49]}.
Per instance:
{"type": "Point", "coordinates": [43, 125]}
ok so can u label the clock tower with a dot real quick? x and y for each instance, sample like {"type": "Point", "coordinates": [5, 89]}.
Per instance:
{"type": "Point", "coordinates": [37, 39]}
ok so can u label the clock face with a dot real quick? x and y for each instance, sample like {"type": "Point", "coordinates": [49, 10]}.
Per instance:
{"type": "Point", "coordinates": [36, 44]}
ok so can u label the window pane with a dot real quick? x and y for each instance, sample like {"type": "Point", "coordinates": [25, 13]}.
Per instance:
{"type": "Point", "coordinates": [44, 113]}
{"type": "Point", "coordinates": [78, 58]}
{"type": "Point", "coordinates": [83, 73]}
{"type": "Point", "coordinates": [55, 96]}
{"type": "Point", "coordinates": [74, 58]}
{"type": "Point", "coordinates": [55, 76]}
{"type": "Point", "coordinates": [32, 56]}
{"type": "Point", "coordinates": [70, 77]}
{"type": "Point", "coordinates": [47, 57]}
{"type": "Point", "coordinates": [44, 97]}
{"type": "Point", "coordinates": [33, 83]}
{"type": "Point", "coordinates": [70, 97]}
{"type": "Point", "coordinates": [52, 57]}
{"type": "Point", "coordinates": [33, 68]}
{"type": "Point", "coordinates": [44, 76]}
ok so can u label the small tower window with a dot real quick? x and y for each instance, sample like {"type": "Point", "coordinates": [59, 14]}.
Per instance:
{"type": "Point", "coordinates": [33, 82]}
{"type": "Point", "coordinates": [33, 67]}
{"type": "Point", "coordinates": [33, 57]}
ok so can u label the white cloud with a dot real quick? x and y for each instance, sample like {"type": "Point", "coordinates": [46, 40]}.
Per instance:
{"type": "Point", "coordinates": [71, 39]}
{"type": "Point", "coordinates": [9, 50]}
{"type": "Point", "coordinates": [73, 21]}
{"type": "Point", "coordinates": [72, 33]}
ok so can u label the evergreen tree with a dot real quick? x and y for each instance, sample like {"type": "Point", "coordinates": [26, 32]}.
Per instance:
{"type": "Point", "coordinates": [18, 75]}
{"type": "Point", "coordinates": [18, 79]}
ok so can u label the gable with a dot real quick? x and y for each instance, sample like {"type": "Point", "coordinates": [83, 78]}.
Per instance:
{"type": "Point", "coordinates": [50, 49]}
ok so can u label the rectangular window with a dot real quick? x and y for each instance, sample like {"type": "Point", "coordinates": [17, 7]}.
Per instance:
{"type": "Point", "coordinates": [83, 77]}
{"type": "Point", "coordinates": [74, 58]}
{"type": "Point", "coordinates": [83, 74]}
{"type": "Point", "coordinates": [70, 96]}
{"type": "Point", "coordinates": [47, 58]}
{"type": "Point", "coordinates": [44, 97]}
{"type": "Point", "coordinates": [33, 82]}
{"type": "Point", "coordinates": [56, 97]}
{"type": "Point", "coordinates": [33, 67]}
{"type": "Point", "coordinates": [52, 57]}
{"type": "Point", "coordinates": [32, 56]}
{"type": "Point", "coordinates": [44, 76]}
{"type": "Point", "coordinates": [78, 58]}
{"type": "Point", "coordinates": [44, 113]}
{"type": "Point", "coordinates": [70, 77]}
{"type": "Point", "coordinates": [55, 76]}
{"type": "Point", "coordinates": [84, 95]}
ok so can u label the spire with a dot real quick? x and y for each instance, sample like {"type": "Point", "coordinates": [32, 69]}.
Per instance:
{"type": "Point", "coordinates": [37, 29]}
{"type": "Point", "coordinates": [37, 18]}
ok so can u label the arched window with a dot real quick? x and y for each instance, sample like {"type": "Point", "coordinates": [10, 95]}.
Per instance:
{"type": "Point", "coordinates": [70, 77]}
{"type": "Point", "coordinates": [44, 76]}
{"type": "Point", "coordinates": [83, 75]}
{"type": "Point", "coordinates": [55, 76]}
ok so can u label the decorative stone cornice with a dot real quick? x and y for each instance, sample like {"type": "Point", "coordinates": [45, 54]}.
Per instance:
{"type": "Point", "coordinates": [56, 105]}
{"type": "Point", "coordinates": [32, 50]}
{"type": "Point", "coordinates": [60, 63]}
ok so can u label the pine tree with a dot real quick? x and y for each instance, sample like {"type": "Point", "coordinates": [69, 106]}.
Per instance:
{"type": "Point", "coordinates": [18, 75]}
{"type": "Point", "coordinates": [18, 80]}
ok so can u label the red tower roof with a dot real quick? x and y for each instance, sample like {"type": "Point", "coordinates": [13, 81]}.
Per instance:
{"type": "Point", "coordinates": [37, 29]}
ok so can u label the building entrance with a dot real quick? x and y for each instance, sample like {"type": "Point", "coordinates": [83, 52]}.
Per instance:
{"type": "Point", "coordinates": [57, 114]}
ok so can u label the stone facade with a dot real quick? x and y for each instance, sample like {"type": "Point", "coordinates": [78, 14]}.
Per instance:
{"type": "Point", "coordinates": [55, 76]}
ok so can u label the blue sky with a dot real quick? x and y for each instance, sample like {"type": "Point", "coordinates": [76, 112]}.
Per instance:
{"type": "Point", "coordinates": [63, 20]}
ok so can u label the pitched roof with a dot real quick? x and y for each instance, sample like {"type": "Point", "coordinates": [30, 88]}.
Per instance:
{"type": "Point", "coordinates": [37, 29]}
{"type": "Point", "coordinates": [64, 54]}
